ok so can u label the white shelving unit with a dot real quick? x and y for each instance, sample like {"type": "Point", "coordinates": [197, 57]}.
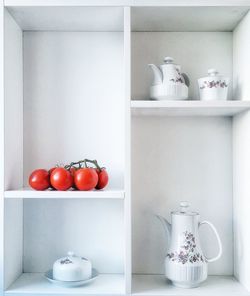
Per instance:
{"type": "Point", "coordinates": [189, 108]}
{"type": "Point", "coordinates": [36, 283]}
{"type": "Point", "coordinates": [154, 285]}
{"type": "Point", "coordinates": [29, 193]}
{"type": "Point", "coordinates": [68, 72]}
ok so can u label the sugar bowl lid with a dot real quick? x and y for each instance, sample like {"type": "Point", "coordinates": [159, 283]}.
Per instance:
{"type": "Point", "coordinates": [212, 73]}
{"type": "Point", "coordinates": [72, 268]}
{"type": "Point", "coordinates": [184, 205]}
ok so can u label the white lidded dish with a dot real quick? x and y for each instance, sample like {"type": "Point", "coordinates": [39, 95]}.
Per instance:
{"type": "Point", "coordinates": [72, 268]}
{"type": "Point", "coordinates": [214, 86]}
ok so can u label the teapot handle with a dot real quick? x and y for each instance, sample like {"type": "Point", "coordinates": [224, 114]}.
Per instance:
{"type": "Point", "coordinates": [218, 240]}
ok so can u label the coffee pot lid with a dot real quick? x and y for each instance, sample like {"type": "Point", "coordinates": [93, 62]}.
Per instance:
{"type": "Point", "coordinates": [184, 205]}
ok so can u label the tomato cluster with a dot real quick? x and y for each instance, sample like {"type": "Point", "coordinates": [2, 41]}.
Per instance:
{"type": "Point", "coordinates": [76, 175]}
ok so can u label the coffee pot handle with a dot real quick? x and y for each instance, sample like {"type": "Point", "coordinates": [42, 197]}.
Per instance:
{"type": "Point", "coordinates": [218, 240]}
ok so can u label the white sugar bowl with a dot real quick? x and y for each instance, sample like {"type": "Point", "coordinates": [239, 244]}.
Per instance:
{"type": "Point", "coordinates": [72, 268]}
{"type": "Point", "coordinates": [214, 86]}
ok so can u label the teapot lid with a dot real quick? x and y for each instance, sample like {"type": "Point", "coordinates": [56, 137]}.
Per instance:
{"type": "Point", "coordinates": [168, 60]}
{"type": "Point", "coordinates": [184, 205]}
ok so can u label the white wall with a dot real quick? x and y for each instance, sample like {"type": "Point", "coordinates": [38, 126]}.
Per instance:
{"type": "Point", "coordinates": [92, 229]}
{"type": "Point", "coordinates": [196, 52]}
{"type": "Point", "coordinates": [13, 83]}
{"type": "Point", "coordinates": [241, 59]}
{"type": "Point", "coordinates": [175, 159]}
{"type": "Point", "coordinates": [13, 88]}
{"type": "Point", "coordinates": [241, 156]}
{"type": "Point", "coordinates": [74, 109]}
{"type": "Point", "coordinates": [241, 217]}
{"type": "Point", "coordinates": [73, 100]}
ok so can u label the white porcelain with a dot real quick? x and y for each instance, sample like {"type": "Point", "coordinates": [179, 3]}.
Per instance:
{"type": "Point", "coordinates": [169, 83]}
{"type": "Point", "coordinates": [214, 86]}
{"type": "Point", "coordinates": [66, 284]}
{"type": "Point", "coordinates": [185, 263]}
{"type": "Point", "coordinates": [72, 268]}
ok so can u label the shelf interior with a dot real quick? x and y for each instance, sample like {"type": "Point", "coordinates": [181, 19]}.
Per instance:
{"type": "Point", "coordinates": [154, 285]}
{"type": "Point", "coordinates": [188, 19]}
{"type": "Point", "coordinates": [113, 284]}
{"type": "Point", "coordinates": [188, 108]}
{"type": "Point", "coordinates": [59, 18]}
{"type": "Point", "coordinates": [37, 284]}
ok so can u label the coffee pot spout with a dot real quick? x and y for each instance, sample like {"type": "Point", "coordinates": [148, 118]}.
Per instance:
{"type": "Point", "coordinates": [158, 77]}
{"type": "Point", "coordinates": [167, 227]}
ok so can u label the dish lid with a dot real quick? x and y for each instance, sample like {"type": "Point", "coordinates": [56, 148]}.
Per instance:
{"type": "Point", "coordinates": [212, 73]}
{"type": "Point", "coordinates": [184, 205]}
{"type": "Point", "coordinates": [71, 260]}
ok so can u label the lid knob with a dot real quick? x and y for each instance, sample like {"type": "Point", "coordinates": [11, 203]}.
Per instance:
{"type": "Point", "coordinates": [168, 60]}
{"type": "Point", "coordinates": [184, 206]}
{"type": "Point", "coordinates": [71, 254]}
{"type": "Point", "coordinates": [212, 72]}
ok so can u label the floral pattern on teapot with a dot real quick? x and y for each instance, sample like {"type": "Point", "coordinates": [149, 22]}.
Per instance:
{"type": "Point", "coordinates": [187, 254]}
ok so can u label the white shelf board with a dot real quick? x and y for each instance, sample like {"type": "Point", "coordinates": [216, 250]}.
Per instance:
{"type": "Point", "coordinates": [183, 19]}
{"type": "Point", "coordinates": [154, 285]}
{"type": "Point", "coordinates": [30, 193]}
{"type": "Point", "coordinates": [188, 108]}
{"type": "Point", "coordinates": [68, 3]}
{"type": "Point", "coordinates": [37, 284]}
{"type": "Point", "coordinates": [72, 18]}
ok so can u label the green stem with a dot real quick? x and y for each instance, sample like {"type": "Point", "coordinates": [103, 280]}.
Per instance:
{"type": "Point", "coordinates": [85, 161]}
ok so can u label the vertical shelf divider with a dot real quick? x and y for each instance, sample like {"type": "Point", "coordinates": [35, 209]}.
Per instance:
{"type": "Point", "coordinates": [127, 92]}
{"type": "Point", "coordinates": [1, 145]}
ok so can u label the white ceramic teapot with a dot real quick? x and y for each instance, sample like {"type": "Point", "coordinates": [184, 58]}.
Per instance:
{"type": "Point", "coordinates": [169, 83]}
{"type": "Point", "coordinates": [185, 264]}
{"type": "Point", "coordinates": [72, 268]}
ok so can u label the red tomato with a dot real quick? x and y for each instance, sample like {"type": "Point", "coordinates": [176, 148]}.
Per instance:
{"type": "Point", "coordinates": [103, 178]}
{"type": "Point", "coordinates": [61, 179]}
{"type": "Point", "coordinates": [51, 170]}
{"type": "Point", "coordinates": [39, 179]}
{"type": "Point", "coordinates": [72, 171]}
{"type": "Point", "coordinates": [86, 179]}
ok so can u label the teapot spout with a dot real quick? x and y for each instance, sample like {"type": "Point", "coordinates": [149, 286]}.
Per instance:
{"type": "Point", "coordinates": [158, 77]}
{"type": "Point", "coordinates": [166, 225]}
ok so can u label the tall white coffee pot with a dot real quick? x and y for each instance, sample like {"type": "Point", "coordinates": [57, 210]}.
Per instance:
{"type": "Point", "coordinates": [185, 263]}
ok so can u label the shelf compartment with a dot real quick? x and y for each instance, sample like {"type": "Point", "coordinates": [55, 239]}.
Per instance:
{"type": "Point", "coordinates": [154, 285]}
{"type": "Point", "coordinates": [29, 193]}
{"type": "Point", "coordinates": [70, 18]}
{"type": "Point", "coordinates": [36, 284]}
{"type": "Point", "coordinates": [188, 108]}
{"type": "Point", "coordinates": [186, 19]}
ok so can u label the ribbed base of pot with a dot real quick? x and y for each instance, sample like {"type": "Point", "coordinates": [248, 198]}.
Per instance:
{"type": "Point", "coordinates": [185, 285]}
{"type": "Point", "coordinates": [186, 276]}
{"type": "Point", "coordinates": [169, 91]}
